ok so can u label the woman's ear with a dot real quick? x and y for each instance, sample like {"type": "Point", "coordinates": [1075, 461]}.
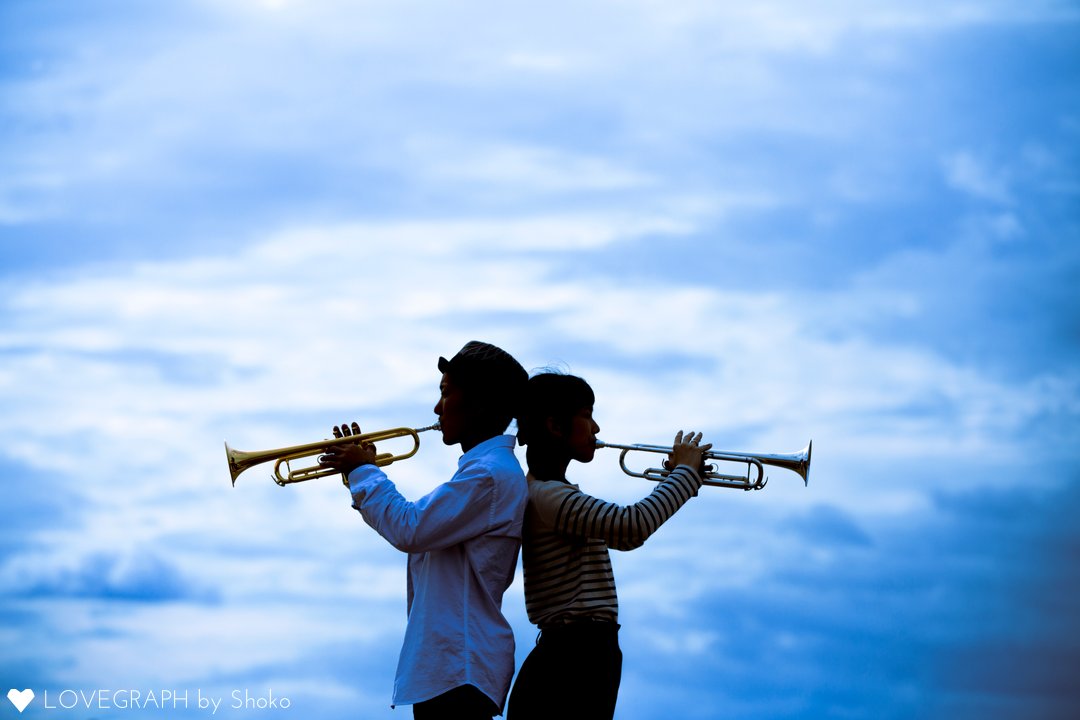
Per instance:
{"type": "Point", "coordinates": [553, 428]}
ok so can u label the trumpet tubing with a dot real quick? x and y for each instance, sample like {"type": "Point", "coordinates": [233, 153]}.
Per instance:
{"type": "Point", "coordinates": [241, 460]}
{"type": "Point", "coordinates": [753, 479]}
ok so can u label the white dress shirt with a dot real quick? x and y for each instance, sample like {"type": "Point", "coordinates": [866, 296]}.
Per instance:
{"type": "Point", "coordinates": [463, 540]}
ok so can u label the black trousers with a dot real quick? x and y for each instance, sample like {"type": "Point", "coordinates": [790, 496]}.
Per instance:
{"type": "Point", "coordinates": [573, 673]}
{"type": "Point", "coordinates": [462, 703]}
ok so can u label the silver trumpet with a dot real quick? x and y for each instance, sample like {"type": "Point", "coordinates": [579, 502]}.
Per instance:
{"type": "Point", "coordinates": [753, 479]}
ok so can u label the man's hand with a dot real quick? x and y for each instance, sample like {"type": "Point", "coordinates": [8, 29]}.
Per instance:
{"type": "Point", "coordinates": [346, 457]}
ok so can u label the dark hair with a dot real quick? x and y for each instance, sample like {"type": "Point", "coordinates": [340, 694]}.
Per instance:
{"type": "Point", "coordinates": [551, 395]}
{"type": "Point", "coordinates": [491, 380]}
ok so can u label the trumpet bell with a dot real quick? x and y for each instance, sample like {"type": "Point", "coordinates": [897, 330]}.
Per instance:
{"type": "Point", "coordinates": [753, 479]}
{"type": "Point", "coordinates": [798, 463]}
{"type": "Point", "coordinates": [241, 460]}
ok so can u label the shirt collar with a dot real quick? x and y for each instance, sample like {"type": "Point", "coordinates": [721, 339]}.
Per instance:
{"type": "Point", "coordinates": [492, 443]}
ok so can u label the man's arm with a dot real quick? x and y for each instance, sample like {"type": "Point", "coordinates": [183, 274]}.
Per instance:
{"type": "Point", "coordinates": [451, 513]}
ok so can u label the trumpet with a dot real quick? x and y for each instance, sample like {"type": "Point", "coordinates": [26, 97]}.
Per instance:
{"type": "Point", "coordinates": [753, 479]}
{"type": "Point", "coordinates": [240, 460]}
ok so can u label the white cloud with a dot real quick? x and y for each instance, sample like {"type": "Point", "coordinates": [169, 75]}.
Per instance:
{"type": "Point", "coordinates": [140, 371]}
{"type": "Point", "coordinates": [965, 172]}
{"type": "Point", "coordinates": [160, 106]}
{"type": "Point", "coordinates": [527, 169]}
{"type": "Point", "coordinates": [536, 162]}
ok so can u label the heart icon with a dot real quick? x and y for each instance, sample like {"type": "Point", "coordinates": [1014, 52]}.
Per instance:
{"type": "Point", "coordinates": [20, 698]}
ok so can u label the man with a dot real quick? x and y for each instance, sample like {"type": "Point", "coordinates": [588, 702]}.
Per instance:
{"type": "Point", "coordinates": [463, 539]}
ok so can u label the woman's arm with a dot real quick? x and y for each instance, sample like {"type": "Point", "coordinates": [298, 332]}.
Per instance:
{"type": "Point", "coordinates": [573, 513]}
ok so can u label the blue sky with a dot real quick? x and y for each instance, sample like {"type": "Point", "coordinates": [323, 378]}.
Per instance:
{"type": "Point", "coordinates": [250, 220]}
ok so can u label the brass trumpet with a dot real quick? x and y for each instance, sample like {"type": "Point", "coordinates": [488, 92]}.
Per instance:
{"type": "Point", "coordinates": [753, 479]}
{"type": "Point", "coordinates": [239, 460]}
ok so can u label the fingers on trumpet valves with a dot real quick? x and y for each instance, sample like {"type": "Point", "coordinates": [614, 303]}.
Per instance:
{"type": "Point", "coordinates": [687, 450]}
{"type": "Point", "coordinates": [346, 429]}
{"type": "Point", "coordinates": [687, 437]}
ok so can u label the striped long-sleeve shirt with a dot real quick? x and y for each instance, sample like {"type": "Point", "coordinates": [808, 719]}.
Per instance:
{"type": "Point", "coordinates": [567, 534]}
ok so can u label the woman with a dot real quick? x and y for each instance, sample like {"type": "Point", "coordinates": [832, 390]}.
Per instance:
{"type": "Point", "coordinates": [575, 668]}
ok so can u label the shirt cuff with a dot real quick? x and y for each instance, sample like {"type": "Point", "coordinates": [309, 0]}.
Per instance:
{"type": "Point", "coordinates": [695, 476]}
{"type": "Point", "coordinates": [361, 475]}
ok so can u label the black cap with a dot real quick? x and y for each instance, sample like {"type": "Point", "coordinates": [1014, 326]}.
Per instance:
{"type": "Point", "coordinates": [488, 371]}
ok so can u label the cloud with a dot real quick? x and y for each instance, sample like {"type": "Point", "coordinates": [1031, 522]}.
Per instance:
{"type": "Point", "coordinates": [216, 105]}
{"type": "Point", "coordinates": [145, 367]}
{"type": "Point", "coordinates": [528, 169]}
{"type": "Point", "coordinates": [249, 221]}
{"type": "Point", "coordinates": [919, 621]}
{"type": "Point", "coordinates": [137, 577]}
{"type": "Point", "coordinates": [967, 174]}
{"type": "Point", "coordinates": [829, 526]}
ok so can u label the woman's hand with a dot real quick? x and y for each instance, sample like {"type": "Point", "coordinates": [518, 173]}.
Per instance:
{"type": "Point", "coordinates": [688, 450]}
